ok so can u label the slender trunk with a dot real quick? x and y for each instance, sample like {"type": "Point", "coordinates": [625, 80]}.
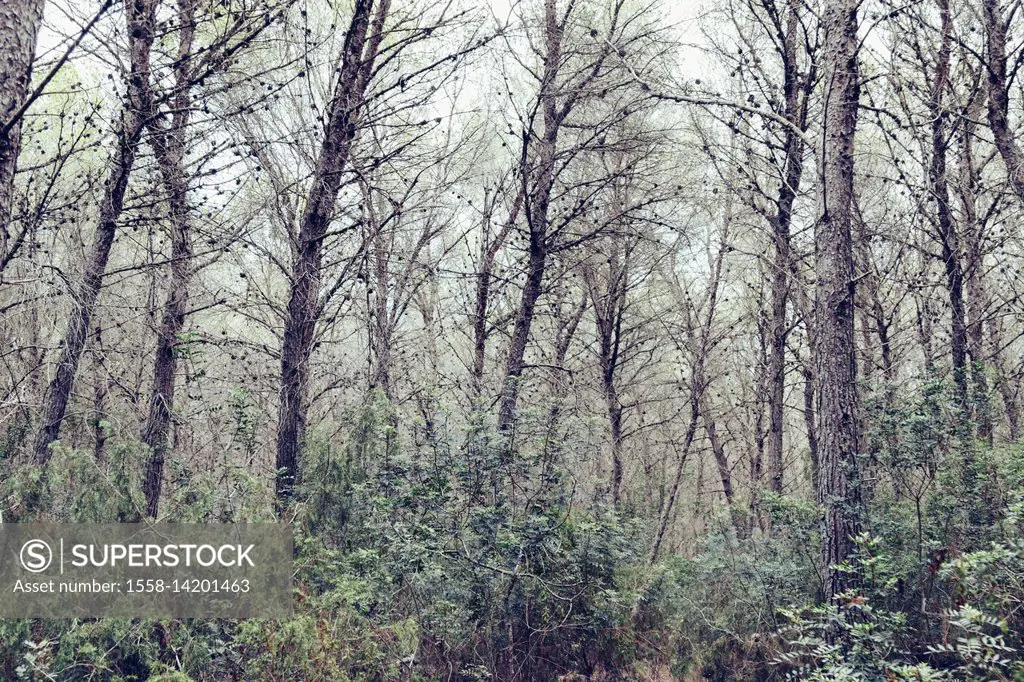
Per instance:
{"type": "Point", "coordinates": [537, 204]}
{"type": "Point", "coordinates": [1007, 391]}
{"type": "Point", "coordinates": [535, 267]}
{"type": "Point", "coordinates": [875, 319]}
{"type": "Point", "coordinates": [947, 232]}
{"type": "Point", "coordinates": [489, 248]}
{"type": "Point", "coordinates": [19, 25]}
{"type": "Point", "coordinates": [99, 399]}
{"type": "Point", "coordinates": [681, 455]}
{"type": "Point", "coordinates": [924, 331]}
{"type": "Point", "coordinates": [560, 384]}
{"type": "Point", "coordinates": [880, 321]}
{"type": "Point", "coordinates": [777, 360]}
{"type": "Point", "coordinates": [805, 308]}
{"type": "Point", "coordinates": [870, 310]}
{"type": "Point", "coordinates": [429, 307]}
{"type": "Point", "coordinates": [381, 325]}
{"type": "Point", "coordinates": [796, 98]}
{"type": "Point", "coordinates": [609, 307]}
{"type": "Point", "coordinates": [760, 405]}
{"type": "Point", "coordinates": [722, 464]}
{"type": "Point", "coordinates": [304, 307]}
{"type": "Point", "coordinates": [614, 408]}
{"type": "Point", "coordinates": [481, 302]}
{"type": "Point", "coordinates": [977, 300]}
{"type": "Point", "coordinates": [169, 148]}
{"type": "Point", "coordinates": [810, 420]}
{"type": "Point", "coordinates": [838, 485]}
{"type": "Point", "coordinates": [141, 17]}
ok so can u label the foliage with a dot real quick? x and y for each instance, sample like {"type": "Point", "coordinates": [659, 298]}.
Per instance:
{"type": "Point", "coordinates": [420, 563]}
{"type": "Point", "coordinates": [858, 637]}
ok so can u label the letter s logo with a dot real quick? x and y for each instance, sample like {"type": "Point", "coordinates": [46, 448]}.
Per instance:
{"type": "Point", "coordinates": [36, 556]}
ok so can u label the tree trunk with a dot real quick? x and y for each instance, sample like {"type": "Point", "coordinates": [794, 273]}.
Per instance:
{"type": "Point", "coordinates": [169, 148]}
{"type": "Point", "coordinates": [609, 327]}
{"type": "Point", "coordinates": [535, 267]}
{"type": "Point", "coordinates": [537, 205]}
{"type": "Point", "coordinates": [673, 492]}
{"type": "Point", "coordinates": [359, 54]}
{"type": "Point", "coordinates": [381, 325]}
{"type": "Point", "coordinates": [1008, 391]}
{"type": "Point", "coordinates": [141, 18]}
{"type": "Point", "coordinates": [838, 484]}
{"type": "Point", "coordinates": [999, 97]}
{"type": "Point", "coordinates": [19, 25]}
{"type": "Point", "coordinates": [564, 335]}
{"type": "Point", "coordinates": [489, 247]}
{"type": "Point", "coordinates": [796, 95]}
{"type": "Point", "coordinates": [810, 420]}
{"type": "Point", "coordinates": [722, 464]}
{"type": "Point", "coordinates": [977, 299]}
{"type": "Point", "coordinates": [947, 233]}
{"type": "Point", "coordinates": [99, 398]}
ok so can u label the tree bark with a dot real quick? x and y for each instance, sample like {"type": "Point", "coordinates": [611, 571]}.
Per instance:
{"type": "Point", "coordinates": [608, 312]}
{"type": "Point", "coordinates": [19, 26]}
{"type": "Point", "coordinates": [537, 205]}
{"type": "Point", "coordinates": [359, 53]}
{"type": "Point", "coordinates": [947, 233]}
{"type": "Point", "coordinates": [811, 420]}
{"type": "Point", "coordinates": [838, 485]}
{"type": "Point", "coordinates": [169, 148]}
{"type": "Point", "coordinates": [381, 327]}
{"type": "Point", "coordinates": [665, 517]}
{"type": "Point", "coordinates": [797, 93]}
{"type": "Point", "coordinates": [560, 384]}
{"type": "Point", "coordinates": [99, 399]}
{"type": "Point", "coordinates": [977, 298]}
{"type": "Point", "coordinates": [141, 18]}
{"type": "Point", "coordinates": [999, 97]}
{"type": "Point", "coordinates": [490, 245]}
{"type": "Point", "coordinates": [1008, 391]}
{"type": "Point", "coordinates": [722, 464]}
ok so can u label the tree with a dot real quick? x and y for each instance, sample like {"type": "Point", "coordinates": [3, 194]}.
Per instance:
{"type": "Point", "coordinates": [371, 66]}
{"type": "Point", "coordinates": [140, 110]}
{"type": "Point", "coordinates": [565, 125]}
{"type": "Point", "coordinates": [362, 42]}
{"type": "Point", "coordinates": [19, 25]}
{"type": "Point", "coordinates": [773, 62]}
{"type": "Point", "coordinates": [141, 20]}
{"type": "Point", "coordinates": [996, 27]}
{"type": "Point", "coordinates": [838, 481]}
{"type": "Point", "coordinates": [169, 145]}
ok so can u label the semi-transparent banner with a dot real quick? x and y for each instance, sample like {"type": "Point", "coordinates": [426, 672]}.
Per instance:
{"type": "Point", "coordinates": [161, 570]}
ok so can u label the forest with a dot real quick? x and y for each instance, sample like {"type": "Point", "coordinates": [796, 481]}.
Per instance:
{"type": "Point", "coordinates": [609, 340]}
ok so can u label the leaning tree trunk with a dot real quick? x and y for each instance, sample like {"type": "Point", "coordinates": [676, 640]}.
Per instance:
{"type": "Point", "coordinates": [537, 205]}
{"type": "Point", "coordinates": [19, 25]}
{"type": "Point", "coordinates": [838, 485]}
{"type": "Point", "coordinates": [360, 50]}
{"type": "Point", "coordinates": [141, 18]}
{"type": "Point", "coordinates": [169, 146]}
{"type": "Point", "coordinates": [535, 267]}
{"type": "Point", "coordinates": [722, 465]}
